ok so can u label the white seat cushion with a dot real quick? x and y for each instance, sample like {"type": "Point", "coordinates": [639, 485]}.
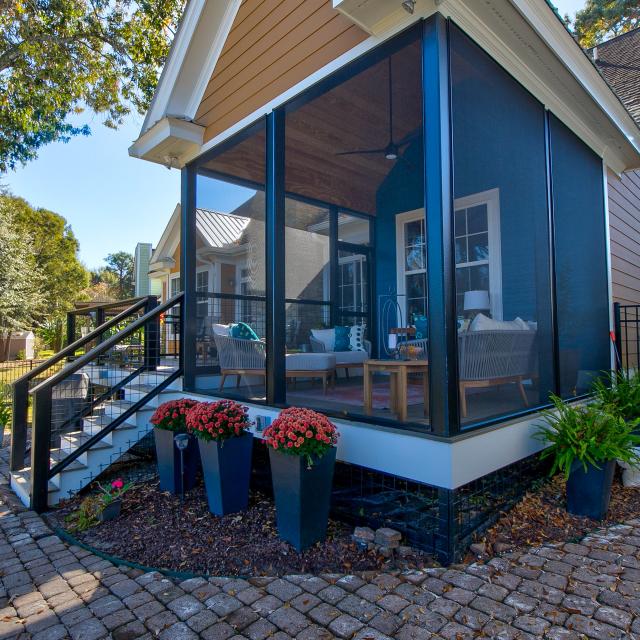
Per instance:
{"type": "Point", "coordinates": [483, 323]}
{"type": "Point", "coordinates": [221, 329]}
{"type": "Point", "coordinates": [326, 336]}
{"type": "Point", "coordinates": [350, 357]}
{"type": "Point", "coordinates": [310, 361]}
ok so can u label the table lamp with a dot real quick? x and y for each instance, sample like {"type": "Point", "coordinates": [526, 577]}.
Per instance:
{"type": "Point", "coordinates": [476, 301]}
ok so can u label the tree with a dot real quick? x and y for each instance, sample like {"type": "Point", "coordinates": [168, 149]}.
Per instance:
{"type": "Point", "coordinates": [601, 19]}
{"type": "Point", "coordinates": [21, 281]}
{"type": "Point", "coordinates": [55, 252]}
{"type": "Point", "coordinates": [120, 265]}
{"type": "Point", "coordinates": [56, 58]}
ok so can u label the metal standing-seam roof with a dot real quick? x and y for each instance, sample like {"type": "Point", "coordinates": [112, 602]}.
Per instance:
{"type": "Point", "coordinates": [220, 230]}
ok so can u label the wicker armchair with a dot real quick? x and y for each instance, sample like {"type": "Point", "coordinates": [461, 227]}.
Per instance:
{"type": "Point", "coordinates": [495, 357]}
{"type": "Point", "coordinates": [240, 357]}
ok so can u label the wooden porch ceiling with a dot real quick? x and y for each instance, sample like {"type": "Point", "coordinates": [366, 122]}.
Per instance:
{"type": "Point", "coordinates": [353, 115]}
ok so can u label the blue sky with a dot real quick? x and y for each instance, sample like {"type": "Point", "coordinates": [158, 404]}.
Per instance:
{"type": "Point", "coordinates": [112, 201]}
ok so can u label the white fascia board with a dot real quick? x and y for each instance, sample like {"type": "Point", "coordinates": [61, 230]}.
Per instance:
{"type": "Point", "coordinates": [567, 52]}
{"type": "Point", "coordinates": [553, 32]}
{"type": "Point", "coordinates": [168, 141]}
{"type": "Point", "coordinates": [173, 64]}
{"type": "Point", "coordinates": [162, 251]}
{"type": "Point", "coordinates": [194, 53]}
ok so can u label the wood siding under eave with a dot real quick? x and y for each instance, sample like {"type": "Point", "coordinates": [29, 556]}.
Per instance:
{"type": "Point", "coordinates": [624, 223]}
{"type": "Point", "coordinates": [273, 45]}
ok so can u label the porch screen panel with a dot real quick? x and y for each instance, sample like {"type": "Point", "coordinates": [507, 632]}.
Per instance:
{"type": "Point", "coordinates": [581, 261]}
{"type": "Point", "coordinates": [353, 165]}
{"type": "Point", "coordinates": [501, 238]}
{"type": "Point", "coordinates": [230, 269]}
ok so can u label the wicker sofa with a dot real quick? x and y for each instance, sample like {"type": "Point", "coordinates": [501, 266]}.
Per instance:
{"type": "Point", "coordinates": [242, 357]}
{"type": "Point", "coordinates": [495, 357]}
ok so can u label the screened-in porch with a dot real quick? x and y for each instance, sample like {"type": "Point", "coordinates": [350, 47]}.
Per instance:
{"type": "Point", "coordinates": [414, 241]}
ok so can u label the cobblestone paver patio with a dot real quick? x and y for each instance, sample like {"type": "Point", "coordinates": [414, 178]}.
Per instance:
{"type": "Point", "coordinates": [51, 591]}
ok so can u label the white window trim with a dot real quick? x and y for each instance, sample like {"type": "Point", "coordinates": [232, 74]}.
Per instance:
{"type": "Point", "coordinates": [401, 220]}
{"type": "Point", "coordinates": [360, 259]}
{"type": "Point", "coordinates": [491, 198]}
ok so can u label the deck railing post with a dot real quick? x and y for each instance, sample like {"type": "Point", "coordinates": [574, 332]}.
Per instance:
{"type": "Point", "coordinates": [617, 327]}
{"type": "Point", "coordinates": [19, 413]}
{"type": "Point", "coordinates": [71, 327]}
{"type": "Point", "coordinates": [152, 337]}
{"type": "Point", "coordinates": [41, 449]}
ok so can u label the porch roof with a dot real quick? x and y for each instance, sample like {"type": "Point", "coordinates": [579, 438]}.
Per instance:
{"type": "Point", "coordinates": [525, 36]}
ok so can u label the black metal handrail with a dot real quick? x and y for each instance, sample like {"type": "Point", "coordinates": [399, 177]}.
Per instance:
{"type": "Point", "coordinates": [100, 309]}
{"type": "Point", "coordinates": [41, 472]}
{"type": "Point", "coordinates": [20, 406]}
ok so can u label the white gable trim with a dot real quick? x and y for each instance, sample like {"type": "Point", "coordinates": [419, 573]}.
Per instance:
{"type": "Point", "coordinates": [167, 244]}
{"type": "Point", "coordinates": [203, 30]}
{"type": "Point", "coordinates": [618, 142]}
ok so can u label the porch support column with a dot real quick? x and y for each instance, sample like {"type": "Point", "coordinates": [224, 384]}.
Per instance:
{"type": "Point", "coordinates": [438, 181]}
{"type": "Point", "coordinates": [188, 276]}
{"type": "Point", "coordinates": [275, 259]}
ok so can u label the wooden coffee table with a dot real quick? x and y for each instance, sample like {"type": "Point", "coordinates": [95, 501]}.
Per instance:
{"type": "Point", "coordinates": [398, 371]}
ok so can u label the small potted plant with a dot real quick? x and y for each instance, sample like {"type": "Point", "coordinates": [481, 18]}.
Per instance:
{"type": "Point", "coordinates": [584, 443]}
{"type": "Point", "coordinates": [221, 429]}
{"type": "Point", "coordinates": [111, 499]}
{"type": "Point", "coordinates": [302, 453]}
{"type": "Point", "coordinates": [169, 419]}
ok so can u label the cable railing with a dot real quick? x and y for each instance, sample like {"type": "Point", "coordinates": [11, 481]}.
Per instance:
{"type": "Point", "coordinates": [21, 419]}
{"type": "Point", "coordinates": [95, 394]}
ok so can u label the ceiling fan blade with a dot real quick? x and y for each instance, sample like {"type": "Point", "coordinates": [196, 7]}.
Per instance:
{"type": "Point", "coordinates": [360, 152]}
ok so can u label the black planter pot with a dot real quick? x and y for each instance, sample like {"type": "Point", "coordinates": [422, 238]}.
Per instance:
{"type": "Point", "coordinates": [226, 468]}
{"type": "Point", "coordinates": [588, 493]}
{"type": "Point", "coordinates": [302, 496]}
{"type": "Point", "coordinates": [111, 511]}
{"type": "Point", "coordinates": [169, 461]}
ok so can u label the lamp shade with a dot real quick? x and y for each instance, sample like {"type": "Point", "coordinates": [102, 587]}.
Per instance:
{"type": "Point", "coordinates": [476, 300]}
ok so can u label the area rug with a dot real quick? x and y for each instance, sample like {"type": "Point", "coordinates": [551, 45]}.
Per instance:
{"type": "Point", "coordinates": [354, 395]}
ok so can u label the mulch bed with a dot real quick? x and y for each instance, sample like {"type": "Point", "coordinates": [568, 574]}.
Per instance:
{"type": "Point", "coordinates": [157, 530]}
{"type": "Point", "coordinates": [541, 518]}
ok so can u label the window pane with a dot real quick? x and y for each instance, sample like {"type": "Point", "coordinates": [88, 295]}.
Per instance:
{"type": "Point", "coordinates": [477, 219]}
{"type": "Point", "coordinates": [478, 247]}
{"type": "Point", "coordinates": [461, 250]}
{"type": "Point", "coordinates": [499, 173]}
{"type": "Point", "coordinates": [581, 261]}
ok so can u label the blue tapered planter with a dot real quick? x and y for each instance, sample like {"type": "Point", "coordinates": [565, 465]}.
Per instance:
{"type": "Point", "coordinates": [226, 467]}
{"type": "Point", "coordinates": [302, 496]}
{"type": "Point", "coordinates": [168, 457]}
{"type": "Point", "coordinates": [588, 493]}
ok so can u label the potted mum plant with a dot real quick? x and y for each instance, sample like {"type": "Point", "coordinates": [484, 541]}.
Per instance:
{"type": "Point", "coordinates": [302, 453]}
{"type": "Point", "coordinates": [111, 498]}
{"type": "Point", "coordinates": [584, 443]}
{"type": "Point", "coordinates": [221, 429]}
{"type": "Point", "coordinates": [169, 419]}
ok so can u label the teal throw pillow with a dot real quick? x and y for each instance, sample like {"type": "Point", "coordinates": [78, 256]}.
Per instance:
{"type": "Point", "coordinates": [243, 331]}
{"type": "Point", "coordinates": [342, 342]}
{"type": "Point", "coordinates": [420, 323]}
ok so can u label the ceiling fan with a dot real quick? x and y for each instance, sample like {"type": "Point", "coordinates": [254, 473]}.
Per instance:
{"type": "Point", "coordinates": [393, 148]}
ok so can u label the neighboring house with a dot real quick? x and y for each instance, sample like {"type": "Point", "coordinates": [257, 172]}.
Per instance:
{"type": "Point", "coordinates": [143, 286]}
{"type": "Point", "coordinates": [618, 60]}
{"type": "Point", "coordinates": [362, 180]}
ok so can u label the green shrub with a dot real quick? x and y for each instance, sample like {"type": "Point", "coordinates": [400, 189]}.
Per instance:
{"type": "Point", "coordinates": [588, 434]}
{"type": "Point", "coordinates": [621, 397]}
{"type": "Point", "coordinates": [5, 414]}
